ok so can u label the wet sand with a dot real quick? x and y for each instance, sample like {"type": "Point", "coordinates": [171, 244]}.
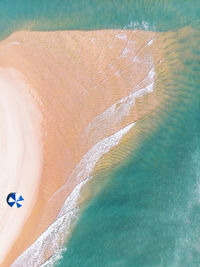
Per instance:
{"type": "Point", "coordinates": [85, 86]}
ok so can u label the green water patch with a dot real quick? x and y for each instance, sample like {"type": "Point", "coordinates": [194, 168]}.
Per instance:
{"type": "Point", "coordinates": [48, 15]}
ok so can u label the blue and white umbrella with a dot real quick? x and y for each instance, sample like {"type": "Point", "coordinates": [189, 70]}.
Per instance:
{"type": "Point", "coordinates": [15, 200]}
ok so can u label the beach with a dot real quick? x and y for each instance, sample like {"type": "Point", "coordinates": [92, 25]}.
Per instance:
{"type": "Point", "coordinates": [69, 97]}
{"type": "Point", "coordinates": [21, 152]}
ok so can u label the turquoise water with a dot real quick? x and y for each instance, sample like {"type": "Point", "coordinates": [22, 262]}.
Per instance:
{"type": "Point", "coordinates": [94, 14]}
{"type": "Point", "coordinates": [148, 212]}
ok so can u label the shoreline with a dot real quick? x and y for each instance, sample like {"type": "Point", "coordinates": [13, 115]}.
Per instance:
{"type": "Point", "coordinates": [65, 219]}
{"type": "Point", "coordinates": [74, 93]}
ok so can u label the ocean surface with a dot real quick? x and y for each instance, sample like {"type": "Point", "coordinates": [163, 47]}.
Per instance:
{"type": "Point", "coordinates": [147, 210]}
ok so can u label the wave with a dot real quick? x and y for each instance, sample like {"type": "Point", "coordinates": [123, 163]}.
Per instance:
{"type": "Point", "coordinates": [53, 239]}
{"type": "Point", "coordinates": [135, 25]}
{"type": "Point", "coordinates": [113, 116]}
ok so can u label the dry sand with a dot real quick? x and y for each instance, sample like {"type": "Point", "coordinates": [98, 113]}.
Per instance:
{"type": "Point", "coordinates": [73, 89]}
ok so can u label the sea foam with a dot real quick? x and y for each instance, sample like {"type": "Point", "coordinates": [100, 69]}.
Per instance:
{"type": "Point", "coordinates": [118, 111]}
{"type": "Point", "coordinates": [56, 234]}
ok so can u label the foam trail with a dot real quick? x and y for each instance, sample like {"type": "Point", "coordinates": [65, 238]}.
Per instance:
{"type": "Point", "coordinates": [88, 161]}
{"type": "Point", "coordinates": [137, 25]}
{"type": "Point", "coordinates": [122, 36]}
{"type": "Point", "coordinates": [118, 111]}
{"type": "Point", "coordinates": [56, 234]}
{"type": "Point", "coordinates": [14, 43]}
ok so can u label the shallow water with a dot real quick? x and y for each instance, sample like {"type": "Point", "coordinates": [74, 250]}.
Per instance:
{"type": "Point", "coordinates": [94, 14]}
{"type": "Point", "coordinates": [148, 212]}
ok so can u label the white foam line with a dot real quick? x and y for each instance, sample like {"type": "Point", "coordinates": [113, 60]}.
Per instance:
{"type": "Point", "coordinates": [120, 109]}
{"type": "Point", "coordinates": [150, 77]}
{"type": "Point", "coordinates": [137, 25]}
{"type": "Point", "coordinates": [121, 36]}
{"type": "Point", "coordinates": [88, 161]}
{"type": "Point", "coordinates": [130, 48]}
{"type": "Point", "coordinates": [14, 43]}
{"type": "Point", "coordinates": [147, 44]}
{"type": "Point", "coordinates": [56, 234]}
{"type": "Point", "coordinates": [150, 42]}
{"type": "Point", "coordinates": [85, 166]}
{"type": "Point", "coordinates": [125, 52]}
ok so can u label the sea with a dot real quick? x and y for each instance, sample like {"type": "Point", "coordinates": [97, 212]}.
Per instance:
{"type": "Point", "coordinates": [144, 211]}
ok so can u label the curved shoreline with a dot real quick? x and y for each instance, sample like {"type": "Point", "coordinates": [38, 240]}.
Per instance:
{"type": "Point", "coordinates": [70, 101]}
{"type": "Point", "coordinates": [52, 240]}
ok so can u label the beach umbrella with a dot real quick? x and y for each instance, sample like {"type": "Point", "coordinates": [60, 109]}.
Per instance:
{"type": "Point", "coordinates": [15, 200]}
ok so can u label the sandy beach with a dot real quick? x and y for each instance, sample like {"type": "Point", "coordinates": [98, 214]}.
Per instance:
{"type": "Point", "coordinates": [66, 99]}
{"type": "Point", "coordinates": [20, 123]}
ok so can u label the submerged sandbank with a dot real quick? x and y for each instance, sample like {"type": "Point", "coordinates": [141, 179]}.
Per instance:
{"type": "Point", "coordinates": [87, 87]}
